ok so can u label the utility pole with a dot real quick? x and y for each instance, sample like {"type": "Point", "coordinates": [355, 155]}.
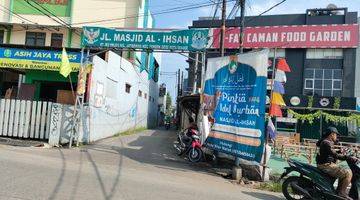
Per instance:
{"type": "Point", "coordinates": [178, 83]}
{"type": "Point", "coordinates": [182, 83]}
{"type": "Point", "coordinates": [196, 70]}
{"type": "Point", "coordinates": [242, 25]}
{"type": "Point", "coordinates": [223, 26]}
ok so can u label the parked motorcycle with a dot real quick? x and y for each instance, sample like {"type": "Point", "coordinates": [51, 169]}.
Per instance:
{"type": "Point", "coordinates": [315, 184]}
{"type": "Point", "coordinates": [167, 125]}
{"type": "Point", "coordinates": [188, 142]}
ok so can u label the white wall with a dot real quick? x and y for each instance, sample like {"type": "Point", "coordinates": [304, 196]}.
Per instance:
{"type": "Point", "coordinates": [111, 108]}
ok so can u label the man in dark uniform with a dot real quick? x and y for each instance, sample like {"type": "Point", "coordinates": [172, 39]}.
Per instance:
{"type": "Point", "coordinates": [327, 161]}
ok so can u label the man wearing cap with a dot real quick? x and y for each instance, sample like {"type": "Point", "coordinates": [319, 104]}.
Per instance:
{"type": "Point", "coordinates": [327, 157]}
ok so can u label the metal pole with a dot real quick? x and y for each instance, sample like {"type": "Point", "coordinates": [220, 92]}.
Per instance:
{"type": "Point", "coordinates": [196, 72]}
{"type": "Point", "coordinates": [203, 69]}
{"type": "Point", "coordinates": [223, 27]}
{"type": "Point", "coordinates": [242, 25]}
{"type": "Point", "coordinates": [178, 83]}
{"type": "Point", "coordinates": [271, 91]}
{"type": "Point", "coordinates": [182, 83]}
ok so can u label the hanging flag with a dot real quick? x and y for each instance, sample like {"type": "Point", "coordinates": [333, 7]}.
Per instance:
{"type": "Point", "coordinates": [275, 111]}
{"type": "Point", "coordinates": [278, 87]}
{"type": "Point", "coordinates": [271, 129]}
{"type": "Point", "coordinates": [151, 71]}
{"type": "Point", "coordinates": [65, 68]}
{"type": "Point", "coordinates": [282, 65]}
{"type": "Point", "coordinates": [280, 76]}
{"type": "Point", "coordinates": [277, 99]}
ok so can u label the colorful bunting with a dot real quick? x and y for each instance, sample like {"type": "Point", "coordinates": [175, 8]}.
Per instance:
{"type": "Point", "coordinates": [271, 129]}
{"type": "Point", "coordinates": [282, 65]}
{"type": "Point", "coordinates": [277, 99]}
{"type": "Point", "coordinates": [275, 111]}
{"type": "Point", "coordinates": [278, 87]}
{"type": "Point", "coordinates": [280, 76]}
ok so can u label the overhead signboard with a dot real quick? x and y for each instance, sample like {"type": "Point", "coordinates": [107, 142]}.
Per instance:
{"type": "Point", "coordinates": [179, 40]}
{"type": "Point", "coordinates": [296, 36]}
{"type": "Point", "coordinates": [15, 58]}
{"type": "Point", "coordinates": [59, 8]}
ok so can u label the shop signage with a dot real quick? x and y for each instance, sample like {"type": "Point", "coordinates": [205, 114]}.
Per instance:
{"type": "Point", "coordinates": [60, 8]}
{"type": "Point", "coordinates": [235, 95]}
{"type": "Point", "coordinates": [358, 104]}
{"type": "Point", "coordinates": [297, 36]}
{"type": "Point", "coordinates": [182, 40]}
{"type": "Point", "coordinates": [346, 103]}
{"type": "Point", "coordinates": [15, 58]}
{"type": "Point", "coordinates": [295, 101]}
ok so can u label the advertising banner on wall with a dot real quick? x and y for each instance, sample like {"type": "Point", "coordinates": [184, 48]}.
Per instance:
{"type": "Point", "coordinates": [296, 36]}
{"type": "Point", "coordinates": [36, 59]}
{"type": "Point", "coordinates": [181, 40]}
{"type": "Point", "coordinates": [235, 95]}
{"type": "Point", "coordinates": [60, 8]}
{"type": "Point", "coordinates": [358, 104]}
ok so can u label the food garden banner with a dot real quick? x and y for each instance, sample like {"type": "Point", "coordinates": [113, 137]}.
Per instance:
{"type": "Point", "coordinates": [16, 58]}
{"type": "Point", "coordinates": [234, 95]}
{"type": "Point", "coordinates": [181, 40]}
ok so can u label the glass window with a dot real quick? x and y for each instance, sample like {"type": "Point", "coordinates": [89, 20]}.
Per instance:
{"type": "Point", "coordinates": [1, 36]}
{"type": "Point", "coordinates": [328, 84]}
{"type": "Point", "coordinates": [309, 73]}
{"type": "Point", "coordinates": [324, 53]}
{"type": "Point", "coordinates": [322, 82]}
{"type": "Point", "coordinates": [309, 84]}
{"type": "Point", "coordinates": [327, 93]}
{"type": "Point", "coordinates": [337, 74]}
{"type": "Point", "coordinates": [328, 74]}
{"type": "Point", "coordinates": [319, 73]}
{"type": "Point", "coordinates": [35, 39]}
{"type": "Point", "coordinates": [337, 84]}
{"type": "Point", "coordinates": [318, 84]}
{"type": "Point", "coordinates": [127, 88]}
{"type": "Point", "coordinates": [56, 40]}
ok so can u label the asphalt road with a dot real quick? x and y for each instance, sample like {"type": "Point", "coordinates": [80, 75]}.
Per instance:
{"type": "Point", "coordinates": [141, 166]}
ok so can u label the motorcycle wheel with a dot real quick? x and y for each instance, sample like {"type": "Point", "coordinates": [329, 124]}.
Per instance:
{"type": "Point", "coordinates": [290, 193]}
{"type": "Point", "coordinates": [195, 154]}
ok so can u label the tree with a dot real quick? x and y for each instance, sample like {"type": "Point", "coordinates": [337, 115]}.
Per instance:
{"type": "Point", "coordinates": [168, 104]}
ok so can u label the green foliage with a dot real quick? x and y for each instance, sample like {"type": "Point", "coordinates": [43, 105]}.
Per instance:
{"type": "Point", "coordinates": [130, 132]}
{"type": "Point", "coordinates": [337, 102]}
{"type": "Point", "coordinates": [270, 186]}
{"type": "Point", "coordinates": [168, 104]}
{"type": "Point", "coordinates": [310, 101]}
{"type": "Point", "coordinates": [328, 117]}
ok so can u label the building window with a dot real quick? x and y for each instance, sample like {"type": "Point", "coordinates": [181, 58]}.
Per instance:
{"type": "Point", "coordinates": [140, 93]}
{"type": "Point", "coordinates": [56, 39]}
{"type": "Point", "coordinates": [324, 54]}
{"type": "Point", "coordinates": [127, 88]}
{"type": "Point", "coordinates": [280, 53]}
{"type": "Point", "coordinates": [323, 82]}
{"type": "Point", "coordinates": [35, 39]}
{"type": "Point", "coordinates": [1, 36]}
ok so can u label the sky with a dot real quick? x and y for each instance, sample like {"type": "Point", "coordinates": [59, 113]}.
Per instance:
{"type": "Point", "coordinates": [171, 62]}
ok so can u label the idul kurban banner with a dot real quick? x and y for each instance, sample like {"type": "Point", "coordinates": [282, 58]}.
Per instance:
{"type": "Point", "coordinates": [35, 59]}
{"type": "Point", "coordinates": [235, 95]}
{"type": "Point", "coordinates": [180, 40]}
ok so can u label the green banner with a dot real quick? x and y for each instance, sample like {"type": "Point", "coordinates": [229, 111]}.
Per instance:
{"type": "Point", "coordinates": [59, 8]}
{"type": "Point", "coordinates": [182, 40]}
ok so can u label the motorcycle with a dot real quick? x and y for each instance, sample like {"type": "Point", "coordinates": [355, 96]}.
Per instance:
{"type": "Point", "coordinates": [315, 184]}
{"type": "Point", "coordinates": [167, 125]}
{"type": "Point", "coordinates": [188, 142]}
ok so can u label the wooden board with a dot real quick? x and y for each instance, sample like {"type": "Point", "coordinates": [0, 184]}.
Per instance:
{"type": "Point", "coordinates": [65, 97]}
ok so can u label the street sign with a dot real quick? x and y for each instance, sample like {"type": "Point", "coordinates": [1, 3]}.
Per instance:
{"type": "Point", "coordinates": [181, 40]}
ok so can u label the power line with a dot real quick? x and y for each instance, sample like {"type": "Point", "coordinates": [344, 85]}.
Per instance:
{"type": "Point", "coordinates": [171, 10]}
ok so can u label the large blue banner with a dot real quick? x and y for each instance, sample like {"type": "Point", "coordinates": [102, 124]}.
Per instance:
{"type": "Point", "coordinates": [235, 95]}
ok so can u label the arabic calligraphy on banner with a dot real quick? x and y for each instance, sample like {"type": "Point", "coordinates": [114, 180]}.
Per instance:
{"type": "Point", "coordinates": [235, 96]}
{"type": "Point", "coordinates": [16, 58]}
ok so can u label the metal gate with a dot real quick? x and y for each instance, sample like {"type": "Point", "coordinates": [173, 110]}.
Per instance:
{"type": "Point", "coordinates": [25, 119]}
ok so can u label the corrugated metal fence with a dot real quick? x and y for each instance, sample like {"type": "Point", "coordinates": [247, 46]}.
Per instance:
{"type": "Point", "coordinates": [25, 119]}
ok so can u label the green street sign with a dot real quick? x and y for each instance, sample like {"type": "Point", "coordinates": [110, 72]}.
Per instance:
{"type": "Point", "coordinates": [181, 40]}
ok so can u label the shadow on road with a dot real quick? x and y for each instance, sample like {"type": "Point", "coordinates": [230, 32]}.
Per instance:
{"type": "Point", "coordinates": [259, 195]}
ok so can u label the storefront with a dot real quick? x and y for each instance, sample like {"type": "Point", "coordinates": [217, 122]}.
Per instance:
{"type": "Point", "coordinates": [33, 74]}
